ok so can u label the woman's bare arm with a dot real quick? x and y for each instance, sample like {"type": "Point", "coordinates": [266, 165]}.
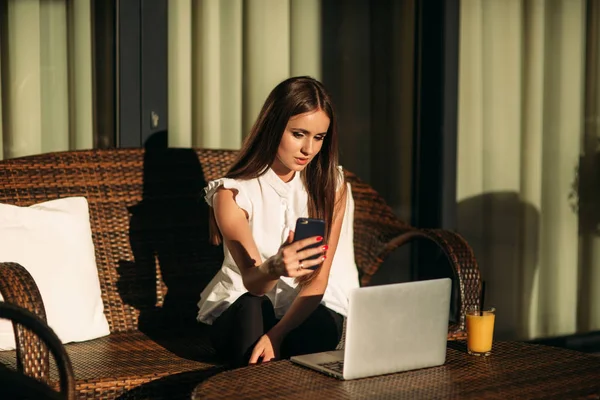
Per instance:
{"type": "Point", "coordinates": [259, 276]}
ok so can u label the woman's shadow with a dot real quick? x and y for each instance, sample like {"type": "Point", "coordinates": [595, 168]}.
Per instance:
{"type": "Point", "coordinates": [173, 260]}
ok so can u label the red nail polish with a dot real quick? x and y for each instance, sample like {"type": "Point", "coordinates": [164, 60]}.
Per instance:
{"type": "Point", "coordinates": [324, 257]}
{"type": "Point", "coordinates": [324, 248]}
{"type": "Point", "coordinates": [319, 238]}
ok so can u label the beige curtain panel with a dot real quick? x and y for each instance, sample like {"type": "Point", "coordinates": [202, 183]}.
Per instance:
{"type": "Point", "coordinates": [522, 91]}
{"type": "Point", "coordinates": [224, 58]}
{"type": "Point", "coordinates": [46, 80]}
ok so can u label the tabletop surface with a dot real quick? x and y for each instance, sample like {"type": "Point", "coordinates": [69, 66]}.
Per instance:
{"type": "Point", "coordinates": [514, 370]}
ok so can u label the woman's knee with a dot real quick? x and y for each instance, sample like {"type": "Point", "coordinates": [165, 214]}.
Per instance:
{"type": "Point", "coordinates": [246, 321]}
{"type": "Point", "coordinates": [321, 331]}
{"type": "Point", "coordinates": [248, 300]}
{"type": "Point", "coordinates": [254, 308]}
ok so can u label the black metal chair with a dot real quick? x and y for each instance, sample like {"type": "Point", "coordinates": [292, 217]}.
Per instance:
{"type": "Point", "coordinates": [17, 385]}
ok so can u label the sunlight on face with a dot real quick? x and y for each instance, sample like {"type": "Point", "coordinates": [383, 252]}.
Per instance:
{"type": "Point", "coordinates": [301, 141]}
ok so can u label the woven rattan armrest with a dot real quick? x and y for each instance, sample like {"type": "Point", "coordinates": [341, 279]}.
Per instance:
{"type": "Point", "coordinates": [460, 257]}
{"type": "Point", "coordinates": [385, 238]}
{"type": "Point", "coordinates": [378, 232]}
{"type": "Point", "coordinates": [18, 287]}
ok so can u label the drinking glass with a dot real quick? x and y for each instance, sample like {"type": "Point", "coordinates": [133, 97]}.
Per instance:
{"type": "Point", "coordinates": [480, 331]}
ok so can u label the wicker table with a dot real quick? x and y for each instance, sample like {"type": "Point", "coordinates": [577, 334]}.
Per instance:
{"type": "Point", "coordinates": [514, 370]}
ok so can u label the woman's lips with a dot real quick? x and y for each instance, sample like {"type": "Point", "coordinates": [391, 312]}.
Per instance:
{"type": "Point", "coordinates": [302, 161]}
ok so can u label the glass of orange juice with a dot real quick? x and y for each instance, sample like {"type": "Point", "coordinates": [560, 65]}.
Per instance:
{"type": "Point", "coordinates": [480, 331]}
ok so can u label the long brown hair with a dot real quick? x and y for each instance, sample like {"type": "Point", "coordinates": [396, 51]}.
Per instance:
{"type": "Point", "coordinates": [293, 96]}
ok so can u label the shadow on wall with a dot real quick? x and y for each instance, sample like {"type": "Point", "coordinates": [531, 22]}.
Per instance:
{"type": "Point", "coordinates": [173, 260]}
{"type": "Point", "coordinates": [586, 192]}
{"type": "Point", "coordinates": [504, 234]}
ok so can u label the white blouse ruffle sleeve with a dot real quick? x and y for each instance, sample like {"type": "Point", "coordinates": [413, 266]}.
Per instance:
{"type": "Point", "coordinates": [241, 197]}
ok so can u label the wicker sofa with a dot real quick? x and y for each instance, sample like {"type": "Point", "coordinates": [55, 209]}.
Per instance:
{"type": "Point", "coordinates": [149, 226]}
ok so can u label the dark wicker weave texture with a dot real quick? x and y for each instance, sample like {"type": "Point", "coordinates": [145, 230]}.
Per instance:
{"type": "Point", "coordinates": [513, 371]}
{"type": "Point", "coordinates": [149, 226]}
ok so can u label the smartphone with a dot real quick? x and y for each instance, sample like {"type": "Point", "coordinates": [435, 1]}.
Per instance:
{"type": "Point", "coordinates": [309, 227]}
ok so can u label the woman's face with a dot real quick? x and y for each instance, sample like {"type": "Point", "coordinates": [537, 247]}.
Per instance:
{"type": "Point", "coordinates": [301, 141]}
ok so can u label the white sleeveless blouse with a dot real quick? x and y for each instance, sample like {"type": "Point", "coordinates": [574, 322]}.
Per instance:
{"type": "Point", "coordinates": [273, 207]}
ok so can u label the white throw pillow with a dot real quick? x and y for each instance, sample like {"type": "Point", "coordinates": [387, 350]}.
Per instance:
{"type": "Point", "coordinates": [53, 241]}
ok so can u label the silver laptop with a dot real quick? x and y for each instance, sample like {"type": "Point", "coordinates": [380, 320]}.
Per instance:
{"type": "Point", "coordinates": [390, 328]}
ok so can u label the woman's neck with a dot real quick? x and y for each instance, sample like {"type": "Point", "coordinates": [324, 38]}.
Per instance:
{"type": "Point", "coordinates": [283, 172]}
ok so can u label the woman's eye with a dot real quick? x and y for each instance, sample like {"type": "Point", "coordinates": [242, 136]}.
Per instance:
{"type": "Point", "coordinates": [319, 137]}
{"type": "Point", "coordinates": [298, 134]}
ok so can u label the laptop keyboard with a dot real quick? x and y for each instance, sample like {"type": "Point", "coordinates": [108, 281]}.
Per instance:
{"type": "Point", "coordinates": [337, 366]}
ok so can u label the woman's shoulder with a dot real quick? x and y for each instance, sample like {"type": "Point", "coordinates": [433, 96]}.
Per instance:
{"type": "Point", "coordinates": [243, 188]}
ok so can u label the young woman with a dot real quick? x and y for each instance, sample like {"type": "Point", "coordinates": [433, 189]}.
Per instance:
{"type": "Point", "coordinates": [269, 301]}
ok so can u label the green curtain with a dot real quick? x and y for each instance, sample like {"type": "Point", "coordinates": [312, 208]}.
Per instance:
{"type": "Point", "coordinates": [46, 77]}
{"type": "Point", "coordinates": [224, 58]}
{"type": "Point", "coordinates": [522, 86]}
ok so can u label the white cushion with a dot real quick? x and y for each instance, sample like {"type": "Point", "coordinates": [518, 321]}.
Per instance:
{"type": "Point", "coordinates": [53, 241]}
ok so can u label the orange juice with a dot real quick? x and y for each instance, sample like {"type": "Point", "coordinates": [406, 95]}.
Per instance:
{"type": "Point", "coordinates": [480, 332]}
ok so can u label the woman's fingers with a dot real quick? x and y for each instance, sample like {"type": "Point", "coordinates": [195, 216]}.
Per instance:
{"type": "Point", "coordinates": [300, 262]}
{"type": "Point", "coordinates": [256, 354]}
{"type": "Point", "coordinates": [295, 258]}
{"type": "Point", "coordinates": [315, 253]}
{"type": "Point", "coordinates": [306, 267]}
{"type": "Point", "coordinates": [300, 244]}
{"type": "Point", "coordinates": [264, 350]}
{"type": "Point", "coordinates": [301, 250]}
{"type": "Point", "coordinates": [307, 264]}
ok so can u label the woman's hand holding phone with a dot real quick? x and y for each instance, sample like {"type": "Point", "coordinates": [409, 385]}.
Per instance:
{"type": "Point", "coordinates": [302, 253]}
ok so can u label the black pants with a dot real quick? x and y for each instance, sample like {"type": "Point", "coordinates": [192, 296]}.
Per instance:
{"type": "Point", "coordinates": [236, 331]}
